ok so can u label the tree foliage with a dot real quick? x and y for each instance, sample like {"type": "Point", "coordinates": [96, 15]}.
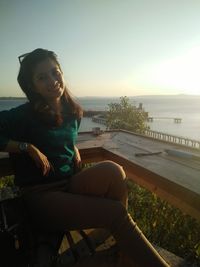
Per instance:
{"type": "Point", "coordinates": [124, 115]}
{"type": "Point", "coordinates": [165, 225]}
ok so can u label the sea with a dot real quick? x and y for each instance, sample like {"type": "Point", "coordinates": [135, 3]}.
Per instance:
{"type": "Point", "coordinates": [163, 108]}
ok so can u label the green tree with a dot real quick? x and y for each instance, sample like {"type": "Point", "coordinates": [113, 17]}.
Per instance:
{"type": "Point", "coordinates": [124, 115]}
{"type": "Point", "coordinates": [163, 224]}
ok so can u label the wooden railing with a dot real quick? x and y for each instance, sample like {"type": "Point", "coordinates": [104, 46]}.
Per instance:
{"type": "Point", "coordinates": [184, 141]}
{"type": "Point", "coordinates": [172, 179]}
{"type": "Point", "coordinates": [173, 139]}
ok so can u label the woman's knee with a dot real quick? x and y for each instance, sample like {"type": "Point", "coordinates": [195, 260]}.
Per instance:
{"type": "Point", "coordinates": [117, 188]}
{"type": "Point", "coordinates": [117, 176]}
{"type": "Point", "coordinates": [114, 170]}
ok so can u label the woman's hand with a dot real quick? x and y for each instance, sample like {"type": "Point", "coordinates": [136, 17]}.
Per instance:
{"type": "Point", "coordinates": [77, 160]}
{"type": "Point", "coordinates": [40, 159]}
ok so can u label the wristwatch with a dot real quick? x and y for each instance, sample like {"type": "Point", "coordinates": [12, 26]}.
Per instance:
{"type": "Point", "coordinates": [23, 147]}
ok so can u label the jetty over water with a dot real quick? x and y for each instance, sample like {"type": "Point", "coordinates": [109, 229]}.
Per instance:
{"type": "Point", "coordinates": [99, 119]}
{"type": "Point", "coordinates": [176, 120]}
{"type": "Point", "coordinates": [180, 140]}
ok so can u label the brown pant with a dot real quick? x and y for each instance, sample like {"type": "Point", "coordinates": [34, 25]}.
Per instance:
{"type": "Point", "coordinates": [95, 198]}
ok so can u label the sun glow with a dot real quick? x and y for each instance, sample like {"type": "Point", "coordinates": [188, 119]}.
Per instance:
{"type": "Point", "coordinates": [181, 74]}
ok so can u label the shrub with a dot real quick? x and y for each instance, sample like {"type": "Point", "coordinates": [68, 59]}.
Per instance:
{"type": "Point", "coordinates": [163, 224]}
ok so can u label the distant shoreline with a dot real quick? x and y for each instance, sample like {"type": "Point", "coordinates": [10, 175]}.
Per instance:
{"type": "Point", "coordinates": [100, 97]}
{"type": "Point", "coordinates": [86, 113]}
{"type": "Point", "coordinates": [12, 98]}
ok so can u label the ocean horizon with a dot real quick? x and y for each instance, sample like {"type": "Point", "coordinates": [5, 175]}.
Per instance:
{"type": "Point", "coordinates": [185, 107]}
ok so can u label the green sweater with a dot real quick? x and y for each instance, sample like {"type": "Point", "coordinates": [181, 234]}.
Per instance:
{"type": "Point", "coordinates": [22, 124]}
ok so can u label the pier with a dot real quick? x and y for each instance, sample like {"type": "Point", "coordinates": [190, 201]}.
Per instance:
{"type": "Point", "coordinates": [176, 120]}
{"type": "Point", "coordinates": [99, 119]}
{"type": "Point", "coordinates": [184, 141]}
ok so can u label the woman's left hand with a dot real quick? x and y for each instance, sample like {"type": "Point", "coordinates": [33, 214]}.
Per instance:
{"type": "Point", "coordinates": [77, 160]}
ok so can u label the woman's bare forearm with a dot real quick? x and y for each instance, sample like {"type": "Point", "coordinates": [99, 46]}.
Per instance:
{"type": "Point", "coordinates": [37, 156]}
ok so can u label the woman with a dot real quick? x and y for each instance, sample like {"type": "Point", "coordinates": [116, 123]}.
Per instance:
{"type": "Point", "coordinates": [41, 135]}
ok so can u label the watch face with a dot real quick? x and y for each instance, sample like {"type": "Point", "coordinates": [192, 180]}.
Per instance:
{"type": "Point", "coordinates": [23, 147]}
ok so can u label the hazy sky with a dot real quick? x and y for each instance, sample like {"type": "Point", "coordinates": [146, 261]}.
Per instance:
{"type": "Point", "coordinates": [106, 47]}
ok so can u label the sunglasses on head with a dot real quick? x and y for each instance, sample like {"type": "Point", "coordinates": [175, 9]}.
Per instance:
{"type": "Point", "coordinates": [22, 57]}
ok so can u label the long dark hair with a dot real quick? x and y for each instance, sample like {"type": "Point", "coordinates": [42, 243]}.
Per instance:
{"type": "Point", "coordinates": [38, 103]}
